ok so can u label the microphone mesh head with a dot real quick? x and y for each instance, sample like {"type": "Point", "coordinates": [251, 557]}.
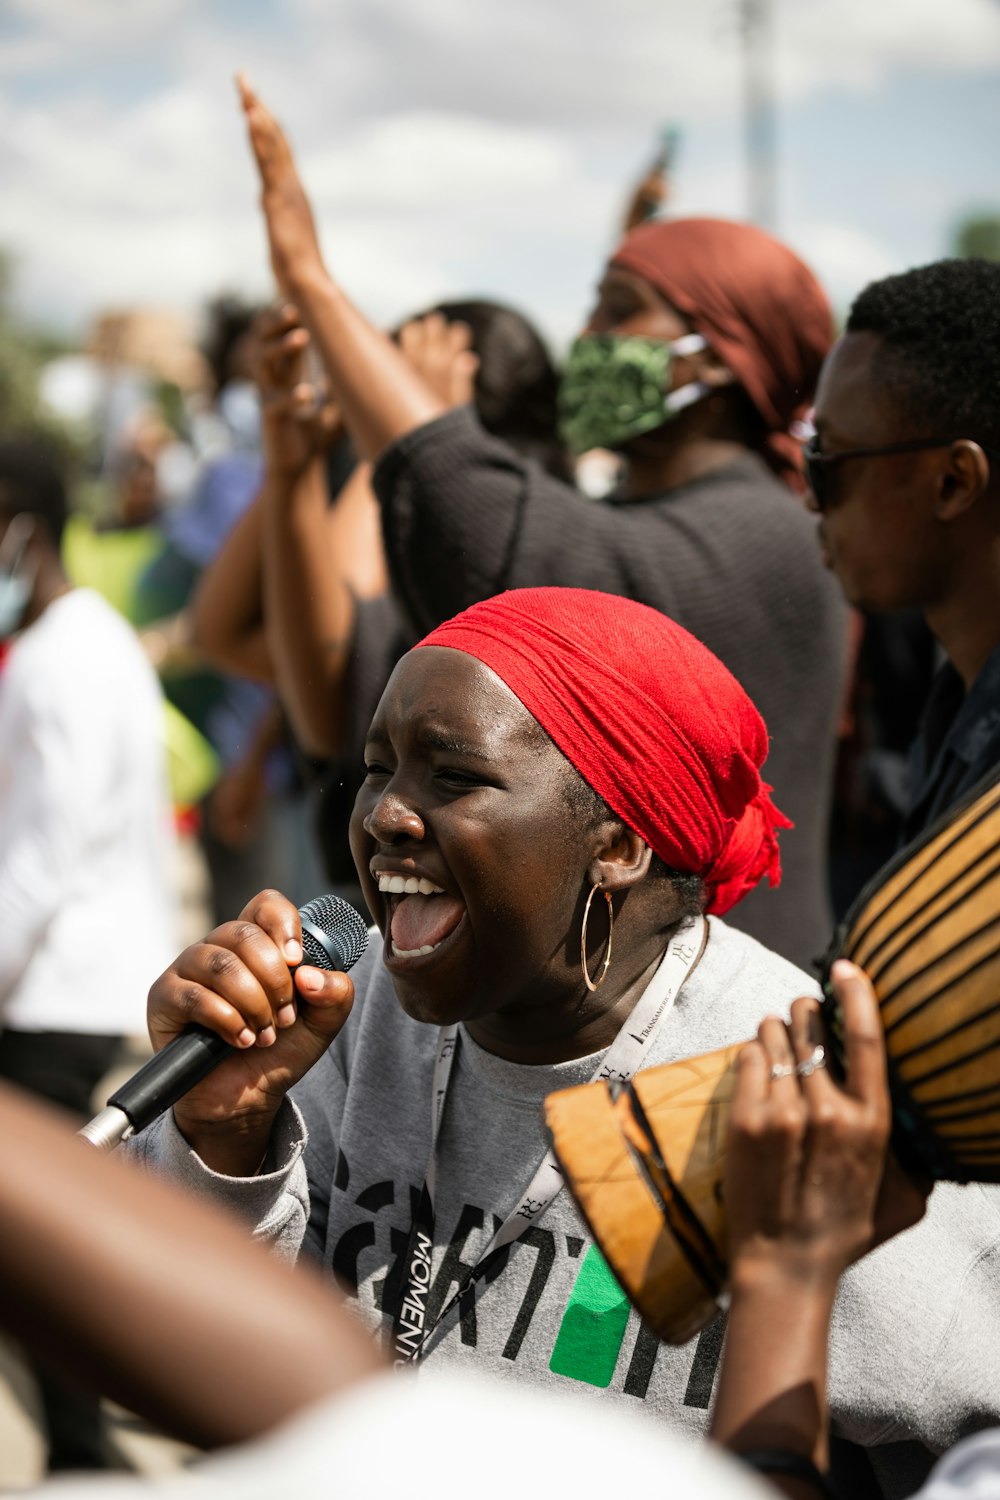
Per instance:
{"type": "Point", "coordinates": [343, 928]}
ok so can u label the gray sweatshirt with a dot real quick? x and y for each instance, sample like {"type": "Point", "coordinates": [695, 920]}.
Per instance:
{"type": "Point", "coordinates": [916, 1337]}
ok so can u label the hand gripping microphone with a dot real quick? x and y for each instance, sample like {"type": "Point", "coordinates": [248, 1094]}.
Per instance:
{"type": "Point", "coordinates": [333, 937]}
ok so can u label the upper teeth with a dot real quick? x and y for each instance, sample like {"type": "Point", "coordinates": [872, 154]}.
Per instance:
{"type": "Point", "coordinates": [407, 885]}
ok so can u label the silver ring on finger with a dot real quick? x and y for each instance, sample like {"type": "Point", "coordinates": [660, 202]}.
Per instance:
{"type": "Point", "coordinates": [782, 1070]}
{"type": "Point", "coordinates": [813, 1063]}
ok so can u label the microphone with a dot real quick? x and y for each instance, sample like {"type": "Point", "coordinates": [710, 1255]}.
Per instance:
{"type": "Point", "coordinates": [334, 936]}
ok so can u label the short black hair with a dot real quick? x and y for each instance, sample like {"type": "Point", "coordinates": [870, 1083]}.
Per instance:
{"type": "Point", "coordinates": [228, 319]}
{"type": "Point", "coordinates": [940, 354]}
{"type": "Point", "coordinates": [32, 483]}
{"type": "Point", "coordinates": [516, 383]}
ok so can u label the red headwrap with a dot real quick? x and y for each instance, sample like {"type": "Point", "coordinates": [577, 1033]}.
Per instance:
{"type": "Point", "coordinates": [763, 312]}
{"type": "Point", "coordinates": [647, 715]}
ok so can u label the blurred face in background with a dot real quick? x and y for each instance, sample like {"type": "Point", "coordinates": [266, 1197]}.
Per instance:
{"type": "Point", "coordinates": [627, 304]}
{"type": "Point", "coordinates": [637, 367]}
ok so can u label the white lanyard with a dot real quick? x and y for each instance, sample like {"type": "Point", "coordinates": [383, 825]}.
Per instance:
{"type": "Point", "coordinates": [623, 1058]}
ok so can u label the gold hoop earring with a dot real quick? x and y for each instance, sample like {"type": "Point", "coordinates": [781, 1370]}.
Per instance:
{"type": "Point", "coordinates": [590, 983]}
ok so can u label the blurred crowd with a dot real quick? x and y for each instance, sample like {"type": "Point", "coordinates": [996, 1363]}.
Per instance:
{"type": "Point", "coordinates": [204, 592]}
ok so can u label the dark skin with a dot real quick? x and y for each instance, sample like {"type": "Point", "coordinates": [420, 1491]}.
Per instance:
{"type": "Point", "coordinates": [465, 790]}
{"type": "Point", "coordinates": [809, 1187]}
{"type": "Point", "coordinates": [280, 600]}
{"type": "Point", "coordinates": [139, 1290]}
{"type": "Point", "coordinates": [908, 530]}
{"type": "Point", "coordinates": [382, 397]}
{"type": "Point", "coordinates": [807, 1190]}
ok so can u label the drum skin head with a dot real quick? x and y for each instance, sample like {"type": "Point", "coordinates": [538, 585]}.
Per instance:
{"type": "Point", "coordinates": [645, 1169]}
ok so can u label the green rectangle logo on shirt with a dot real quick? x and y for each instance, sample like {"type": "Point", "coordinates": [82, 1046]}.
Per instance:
{"type": "Point", "coordinates": [590, 1336]}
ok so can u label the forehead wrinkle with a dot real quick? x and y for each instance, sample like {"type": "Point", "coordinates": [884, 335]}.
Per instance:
{"type": "Point", "coordinates": [450, 743]}
{"type": "Point", "coordinates": [430, 733]}
{"type": "Point", "coordinates": [448, 700]}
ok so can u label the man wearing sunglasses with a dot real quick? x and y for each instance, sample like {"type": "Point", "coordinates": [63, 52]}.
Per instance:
{"type": "Point", "coordinates": [904, 470]}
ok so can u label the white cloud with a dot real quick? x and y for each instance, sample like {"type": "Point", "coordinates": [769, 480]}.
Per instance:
{"type": "Point", "coordinates": [421, 158]}
{"type": "Point", "coordinates": [845, 259]}
{"type": "Point", "coordinates": [450, 145]}
{"type": "Point", "coordinates": [857, 42]}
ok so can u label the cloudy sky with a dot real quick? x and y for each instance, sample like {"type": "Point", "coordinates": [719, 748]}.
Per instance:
{"type": "Point", "coordinates": [462, 146]}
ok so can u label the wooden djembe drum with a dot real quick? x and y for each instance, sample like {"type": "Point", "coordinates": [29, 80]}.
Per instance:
{"type": "Point", "coordinates": [645, 1166]}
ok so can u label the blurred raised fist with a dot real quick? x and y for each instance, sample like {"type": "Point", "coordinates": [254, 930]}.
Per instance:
{"type": "Point", "coordinates": [440, 351]}
{"type": "Point", "coordinates": [298, 419]}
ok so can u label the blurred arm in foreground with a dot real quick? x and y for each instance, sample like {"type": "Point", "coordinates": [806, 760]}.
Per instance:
{"type": "Point", "coordinates": [166, 1304]}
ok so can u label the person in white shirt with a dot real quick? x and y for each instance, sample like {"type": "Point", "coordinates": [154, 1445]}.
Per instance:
{"type": "Point", "coordinates": [86, 904]}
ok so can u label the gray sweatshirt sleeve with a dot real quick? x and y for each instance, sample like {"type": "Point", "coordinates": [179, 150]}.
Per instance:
{"type": "Point", "coordinates": [275, 1203]}
{"type": "Point", "coordinates": [286, 1205]}
{"type": "Point", "coordinates": [915, 1346]}
{"type": "Point", "coordinates": [959, 1389]}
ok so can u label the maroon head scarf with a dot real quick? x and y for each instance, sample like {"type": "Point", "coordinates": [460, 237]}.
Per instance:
{"type": "Point", "coordinates": [647, 715]}
{"type": "Point", "coordinates": [761, 309]}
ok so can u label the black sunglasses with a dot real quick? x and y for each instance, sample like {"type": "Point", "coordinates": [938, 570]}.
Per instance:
{"type": "Point", "coordinates": [820, 468]}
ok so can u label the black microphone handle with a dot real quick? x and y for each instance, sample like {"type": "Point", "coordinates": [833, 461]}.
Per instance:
{"type": "Point", "coordinates": [333, 938]}
{"type": "Point", "coordinates": [169, 1074]}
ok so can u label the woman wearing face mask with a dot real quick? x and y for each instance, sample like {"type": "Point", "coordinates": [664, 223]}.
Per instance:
{"type": "Point", "coordinates": [725, 331]}
{"type": "Point", "coordinates": [559, 783]}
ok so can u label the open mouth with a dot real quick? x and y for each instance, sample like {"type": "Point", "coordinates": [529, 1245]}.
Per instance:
{"type": "Point", "coordinates": [421, 915]}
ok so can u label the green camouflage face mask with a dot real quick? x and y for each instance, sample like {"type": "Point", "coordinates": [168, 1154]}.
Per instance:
{"type": "Point", "coordinates": [615, 387]}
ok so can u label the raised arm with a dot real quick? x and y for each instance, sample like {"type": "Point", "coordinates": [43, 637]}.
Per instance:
{"type": "Point", "coordinates": [308, 600]}
{"type": "Point", "coordinates": [808, 1191]}
{"type": "Point", "coordinates": [278, 602]}
{"type": "Point", "coordinates": [227, 620]}
{"type": "Point", "coordinates": [464, 515]}
{"type": "Point", "coordinates": [154, 1298]}
{"type": "Point", "coordinates": [227, 609]}
{"type": "Point", "coordinates": [282, 597]}
{"type": "Point", "coordinates": [381, 396]}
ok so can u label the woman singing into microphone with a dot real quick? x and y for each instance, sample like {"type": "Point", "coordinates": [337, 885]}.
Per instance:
{"type": "Point", "coordinates": [562, 798]}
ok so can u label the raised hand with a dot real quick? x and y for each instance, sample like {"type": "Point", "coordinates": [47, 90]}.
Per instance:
{"type": "Point", "coordinates": [381, 396]}
{"type": "Point", "coordinates": [291, 229]}
{"type": "Point", "coordinates": [237, 983]}
{"type": "Point", "coordinates": [298, 421]}
{"type": "Point", "coordinates": [647, 198]}
{"type": "Point", "coordinates": [440, 351]}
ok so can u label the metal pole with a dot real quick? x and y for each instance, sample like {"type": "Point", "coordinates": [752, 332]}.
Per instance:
{"type": "Point", "coordinates": [759, 112]}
